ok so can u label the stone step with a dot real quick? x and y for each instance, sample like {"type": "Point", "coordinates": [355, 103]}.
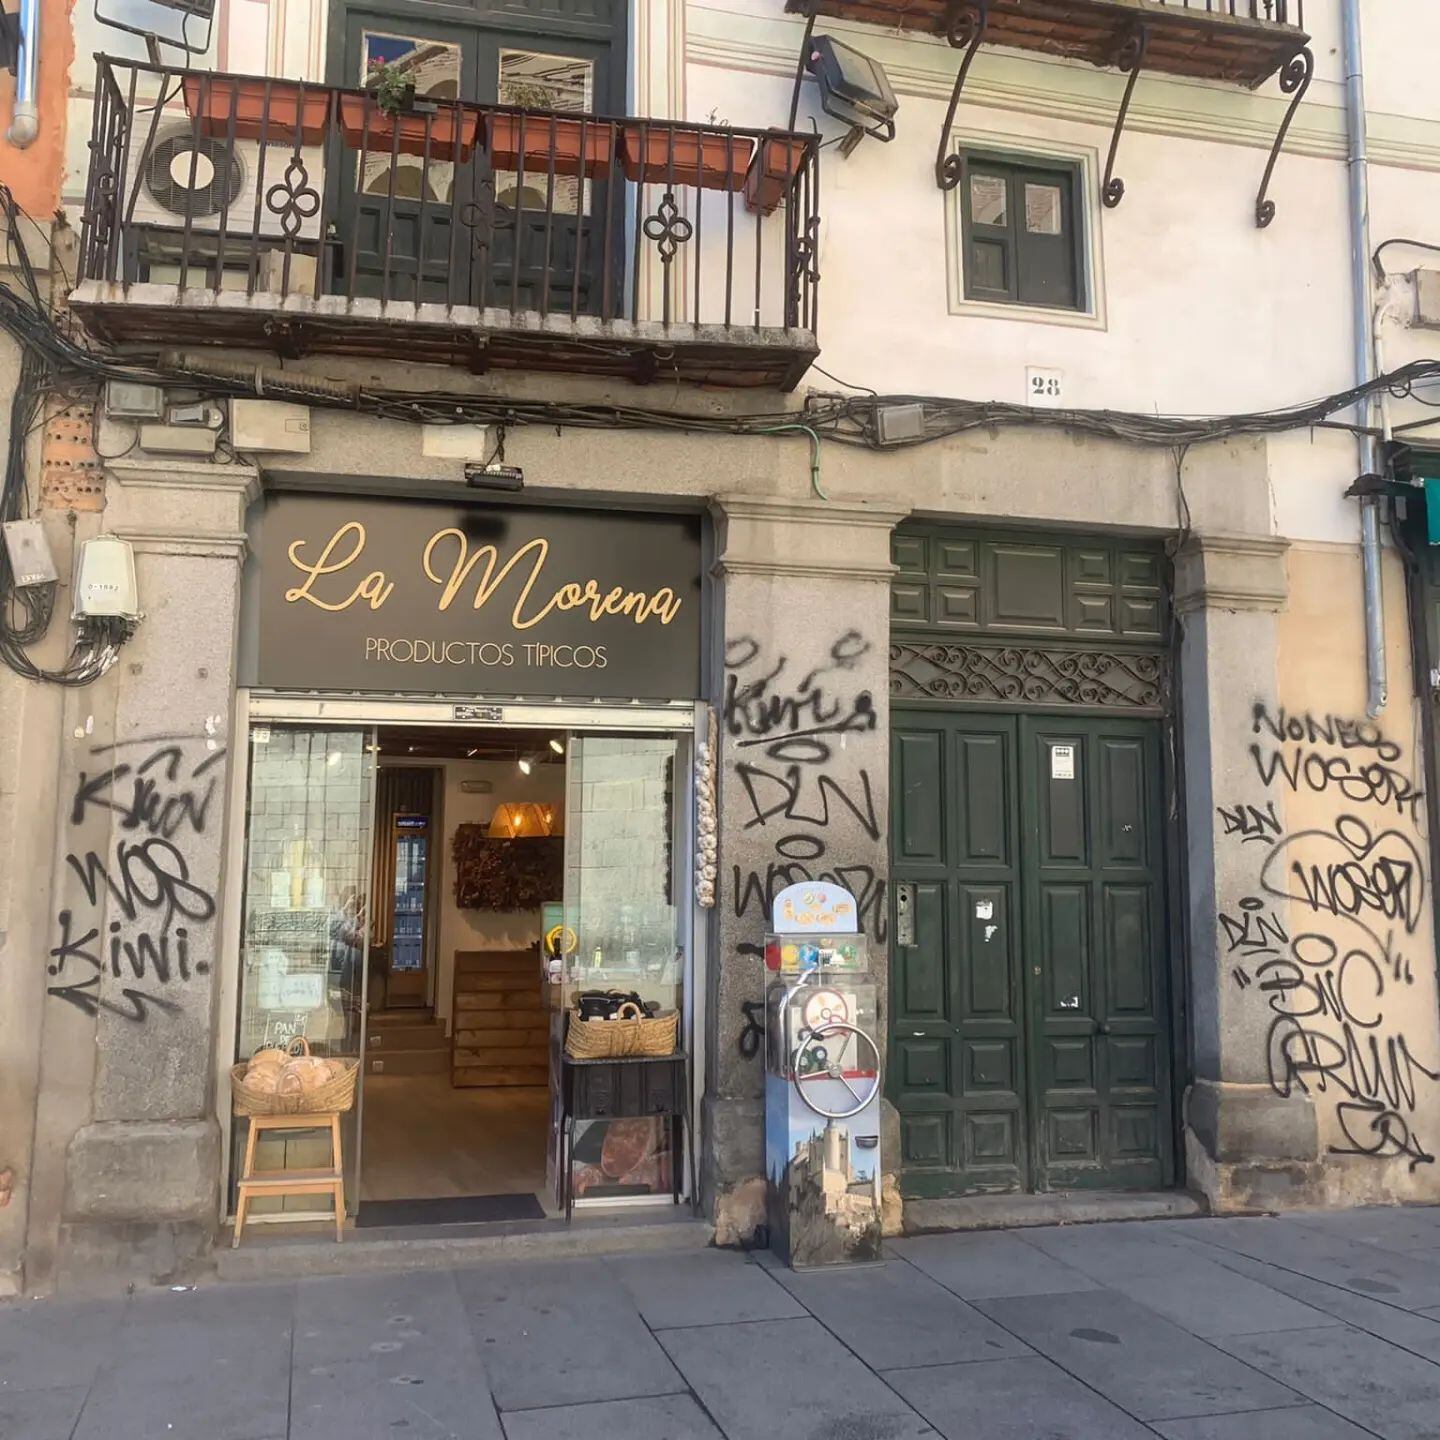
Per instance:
{"type": "Point", "coordinates": [1072, 1207]}
{"type": "Point", "coordinates": [265, 1254]}
{"type": "Point", "coordinates": [408, 1062]}
{"type": "Point", "coordinates": [405, 1037]}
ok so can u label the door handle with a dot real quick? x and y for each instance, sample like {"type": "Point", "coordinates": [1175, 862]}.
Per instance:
{"type": "Point", "coordinates": [1101, 1028]}
{"type": "Point", "coordinates": [905, 913]}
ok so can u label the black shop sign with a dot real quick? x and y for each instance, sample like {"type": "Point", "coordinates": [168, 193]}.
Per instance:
{"type": "Point", "coordinates": [362, 594]}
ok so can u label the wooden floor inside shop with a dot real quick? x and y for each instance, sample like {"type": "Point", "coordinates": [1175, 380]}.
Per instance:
{"type": "Point", "coordinates": [425, 1139]}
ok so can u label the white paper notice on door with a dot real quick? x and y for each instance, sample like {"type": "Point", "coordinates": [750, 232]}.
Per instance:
{"type": "Point", "coordinates": [1062, 762]}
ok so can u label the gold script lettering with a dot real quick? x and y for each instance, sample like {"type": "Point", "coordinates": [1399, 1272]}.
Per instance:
{"type": "Point", "coordinates": [664, 604]}
{"type": "Point", "coordinates": [373, 588]}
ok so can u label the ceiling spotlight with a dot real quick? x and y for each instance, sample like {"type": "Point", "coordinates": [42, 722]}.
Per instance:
{"type": "Point", "coordinates": [558, 746]}
{"type": "Point", "coordinates": [526, 764]}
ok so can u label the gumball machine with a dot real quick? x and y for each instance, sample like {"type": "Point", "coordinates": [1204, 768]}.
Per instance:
{"type": "Point", "coordinates": [822, 1081]}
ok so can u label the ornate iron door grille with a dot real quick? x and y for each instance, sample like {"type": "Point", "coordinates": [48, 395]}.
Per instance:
{"type": "Point", "coordinates": [1029, 621]}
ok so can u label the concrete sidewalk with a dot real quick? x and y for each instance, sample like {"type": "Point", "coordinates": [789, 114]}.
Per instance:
{"type": "Point", "coordinates": [1324, 1327]}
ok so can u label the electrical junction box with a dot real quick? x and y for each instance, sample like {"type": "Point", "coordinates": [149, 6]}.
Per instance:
{"type": "Point", "coordinates": [895, 424]}
{"type": "Point", "coordinates": [127, 401]}
{"type": "Point", "coordinates": [178, 439]}
{"type": "Point", "coordinates": [31, 562]}
{"type": "Point", "coordinates": [270, 425]}
{"type": "Point", "coordinates": [1427, 299]}
{"type": "Point", "coordinates": [105, 580]}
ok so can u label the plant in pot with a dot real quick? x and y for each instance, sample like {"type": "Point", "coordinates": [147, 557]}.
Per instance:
{"type": "Point", "coordinates": [549, 138]}
{"type": "Point", "coordinates": [665, 154]}
{"type": "Point", "coordinates": [389, 117]}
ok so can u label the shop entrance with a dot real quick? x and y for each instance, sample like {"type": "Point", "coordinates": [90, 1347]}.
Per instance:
{"type": "Point", "coordinates": [430, 899]}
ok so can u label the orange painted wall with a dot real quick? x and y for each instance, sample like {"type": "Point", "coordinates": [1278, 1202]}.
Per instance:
{"type": "Point", "coordinates": [34, 174]}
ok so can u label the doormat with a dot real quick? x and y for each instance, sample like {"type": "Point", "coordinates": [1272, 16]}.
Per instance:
{"type": "Point", "coordinates": [450, 1210]}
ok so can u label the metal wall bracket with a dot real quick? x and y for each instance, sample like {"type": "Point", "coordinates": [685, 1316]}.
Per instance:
{"type": "Point", "coordinates": [965, 22]}
{"type": "Point", "coordinates": [801, 63]}
{"type": "Point", "coordinates": [1128, 60]}
{"type": "Point", "coordinates": [1295, 76]}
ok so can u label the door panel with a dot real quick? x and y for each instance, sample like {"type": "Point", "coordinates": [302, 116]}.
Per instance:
{"type": "Point", "coordinates": [1030, 1044]}
{"type": "Point", "coordinates": [955, 989]}
{"type": "Point", "coordinates": [1097, 1016]}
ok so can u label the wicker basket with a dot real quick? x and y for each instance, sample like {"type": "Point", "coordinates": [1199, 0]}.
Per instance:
{"type": "Point", "coordinates": [632, 1032]}
{"type": "Point", "coordinates": [335, 1094]}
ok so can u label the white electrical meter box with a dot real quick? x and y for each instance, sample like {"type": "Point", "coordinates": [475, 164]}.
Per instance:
{"type": "Point", "coordinates": [270, 425]}
{"type": "Point", "coordinates": [105, 580]}
{"type": "Point", "coordinates": [30, 560]}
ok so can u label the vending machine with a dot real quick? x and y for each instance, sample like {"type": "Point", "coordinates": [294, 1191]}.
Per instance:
{"type": "Point", "coordinates": [822, 1081]}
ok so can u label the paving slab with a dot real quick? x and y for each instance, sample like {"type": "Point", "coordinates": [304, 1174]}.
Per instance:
{"type": "Point", "coordinates": [40, 1414]}
{"type": "Point", "coordinates": [770, 1378]}
{"type": "Point", "coordinates": [715, 1288]}
{"type": "Point", "coordinates": [1305, 1422]}
{"type": "Point", "coordinates": [1382, 1388]}
{"type": "Point", "coordinates": [1401, 1228]}
{"type": "Point", "coordinates": [985, 1265]}
{"type": "Point", "coordinates": [1185, 1285]}
{"type": "Point", "coordinates": [1020, 1399]}
{"type": "Point", "coordinates": [48, 1344]}
{"type": "Point", "coordinates": [1150, 1368]}
{"type": "Point", "coordinates": [384, 1356]}
{"type": "Point", "coordinates": [1417, 1331]}
{"type": "Point", "coordinates": [893, 1314]}
{"type": "Point", "coordinates": [664, 1417]}
{"type": "Point", "coordinates": [562, 1334]}
{"type": "Point", "coordinates": [1404, 1280]}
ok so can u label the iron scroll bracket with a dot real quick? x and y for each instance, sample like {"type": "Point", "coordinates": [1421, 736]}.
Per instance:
{"type": "Point", "coordinates": [1130, 59]}
{"type": "Point", "coordinates": [1295, 76]}
{"type": "Point", "coordinates": [801, 62]}
{"type": "Point", "coordinates": [965, 24]}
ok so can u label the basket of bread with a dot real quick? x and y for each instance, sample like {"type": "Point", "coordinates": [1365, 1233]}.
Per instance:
{"type": "Point", "coordinates": [292, 1081]}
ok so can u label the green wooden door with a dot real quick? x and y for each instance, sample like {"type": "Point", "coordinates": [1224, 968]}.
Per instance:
{"type": "Point", "coordinates": [1029, 1021]}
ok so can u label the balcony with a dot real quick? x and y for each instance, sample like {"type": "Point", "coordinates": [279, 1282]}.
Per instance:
{"type": "Point", "coordinates": [261, 213]}
{"type": "Point", "coordinates": [1243, 42]}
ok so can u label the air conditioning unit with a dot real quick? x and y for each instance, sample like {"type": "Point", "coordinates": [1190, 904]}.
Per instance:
{"type": "Point", "coordinates": [184, 175]}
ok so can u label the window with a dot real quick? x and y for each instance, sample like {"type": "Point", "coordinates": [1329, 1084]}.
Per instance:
{"type": "Point", "coordinates": [1022, 237]}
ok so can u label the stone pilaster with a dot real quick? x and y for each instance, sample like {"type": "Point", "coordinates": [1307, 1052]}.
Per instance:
{"type": "Point", "coordinates": [1244, 1143]}
{"type": "Point", "coordinates": [141, 863]}
{"type": "Point", "coordinates": [803, 774]}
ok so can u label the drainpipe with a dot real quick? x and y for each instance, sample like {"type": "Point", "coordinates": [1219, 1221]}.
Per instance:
{"type": "Point", "coordinates": [1358, 164]}
{"type": "Point", "coordinates": [25, 119]}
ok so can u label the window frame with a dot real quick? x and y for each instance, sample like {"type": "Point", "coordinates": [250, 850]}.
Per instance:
{"type": "Point", "coordinates": [1017, 172]}
{"type": "Point", "coordinates": [1044, 155]}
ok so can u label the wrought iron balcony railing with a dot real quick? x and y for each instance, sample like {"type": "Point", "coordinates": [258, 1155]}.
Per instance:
{"type": "Point", "coordinates": [252, 210]}
{"type": "Point", "coordinates": [1239, 42]}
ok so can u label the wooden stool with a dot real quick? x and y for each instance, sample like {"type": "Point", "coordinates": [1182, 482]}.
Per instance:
{"type": "Point", "coordinates": [292, 1182]}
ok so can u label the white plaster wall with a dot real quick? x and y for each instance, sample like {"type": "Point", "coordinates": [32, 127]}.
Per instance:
{"type": "Point", "coordinates": [484, 929]}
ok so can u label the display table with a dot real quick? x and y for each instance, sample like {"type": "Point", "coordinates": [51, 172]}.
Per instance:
{"type": "Point", "coordinates": [623, 1088]}
{"type": "Point", "coordinates": [326, 1181]}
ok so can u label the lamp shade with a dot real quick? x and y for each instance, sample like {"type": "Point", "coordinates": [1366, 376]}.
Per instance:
{"type": "Point", "coordinates": [524, 820]}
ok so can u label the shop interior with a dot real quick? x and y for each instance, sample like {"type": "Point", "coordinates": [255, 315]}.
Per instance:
{"type": "Point", "coordinates": [498, 875]}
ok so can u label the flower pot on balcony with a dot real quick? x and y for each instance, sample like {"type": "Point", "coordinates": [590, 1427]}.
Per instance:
{"type": "Point", "coordinates": [453, 130]}
{"type": "Point", "coordinates": [772, 173]}
{"type": "Point", "coordinates": [275, 107]}
{"type": "Point", "coordinates": [662, 154]}
{"type": "Point", "coordinates": [561, 141]}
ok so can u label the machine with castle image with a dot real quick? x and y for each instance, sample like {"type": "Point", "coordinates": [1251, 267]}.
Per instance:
{"type": "Point", "coordinates": [822, 1083]}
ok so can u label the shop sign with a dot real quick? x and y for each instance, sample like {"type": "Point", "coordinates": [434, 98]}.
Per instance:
{"type": "Point", "coordinates": [362, 594]}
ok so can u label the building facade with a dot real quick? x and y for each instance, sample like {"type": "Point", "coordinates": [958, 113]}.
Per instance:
{"type": "Point", "coordinates": [858, 540]}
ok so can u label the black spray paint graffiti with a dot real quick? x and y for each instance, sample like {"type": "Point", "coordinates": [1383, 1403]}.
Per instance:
{"type": "Point", "coordinates": [144, 884]}
{"type": "Point", "coordinates": [1359, 884]}
{"type": "Point", "coordinates": [797, 786]}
